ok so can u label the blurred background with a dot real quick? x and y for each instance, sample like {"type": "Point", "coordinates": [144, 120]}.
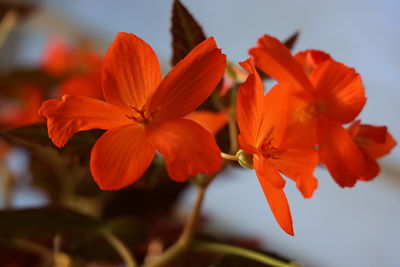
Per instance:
{"type": "Point", "coordinates": [337, 227]}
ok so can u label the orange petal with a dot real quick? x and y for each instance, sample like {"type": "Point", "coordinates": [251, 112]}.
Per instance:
{"type": "Point", "coordinates": [372, 169]}
{"type": "Point", "coordinates": [275, 115]}
{"type": "Point", "coordinates": [339, 153]}
{"type": "Point", "coordinates": [268, 170]}
{"type": "Point", "coordinates": [249, 103]}
{"type": "Point", "coordinates": [84, 85]}
{"type": "Point", "coordinates": [299, 165]}
{"type": "Point", "coordinates": [301, 130]}
{"type": "Point", "coordinates": [375, 141]}
{"type": "Point", "coordinates": [339, 90]}
{"type": "Point", "coordinates": [310, 59]}
{"type": "Point", "coordinates": [130, 72]}
{"type": "Point", "coordinates": [275, 196]}
{"type": "Point", "coordinates": [120, 157]}
{"type": "Point", "coordinates": [274, 58]}
{"type": "Point", "coordinates": [379, 150]}
{"type": "Point", "coordinates": [189, 83]}
{"type": "Point", "coordinates": [213, 122]}
{"type": "Point", "coordinates": [188, 149]}
{"type": "Point", "coordinates": [73, 113]}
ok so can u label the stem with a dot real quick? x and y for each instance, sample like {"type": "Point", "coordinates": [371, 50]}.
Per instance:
{"type": "Point", "coordinates": [246, 253]}
{"type": "Point", "coordinates": [186, 237]}
{"type": "Point", "coordinates": [6, 24]}
{"type": "Point", "coordinates": [229, 157]}
{"type": "Point", "coordinates": [191, 222]}
{"type": "Point", "coordinates": [233, 130]}
{"type": "Point", "coordinates": [120, 248]}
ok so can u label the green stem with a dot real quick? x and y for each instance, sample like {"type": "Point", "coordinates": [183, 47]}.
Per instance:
{"type": "Point", "coordinates": [229, 157]}
{"type": "Point", "coordinates": [233, 130]}
{"type": "Point", "coordinates": [238, 251]}
{"type": "Point", "coordinates": [186, 237]}
{"type": "Point", "coordinates": [120, 248]}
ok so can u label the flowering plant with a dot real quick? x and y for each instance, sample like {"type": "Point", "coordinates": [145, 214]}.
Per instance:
{"type": "Point", "coordinates": [143, 138]}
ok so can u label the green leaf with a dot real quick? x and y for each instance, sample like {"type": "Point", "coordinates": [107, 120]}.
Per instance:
{"type": "Point", "coordinates": [186, 32]}
{"type": "Point", "coordinates": [45, 222]}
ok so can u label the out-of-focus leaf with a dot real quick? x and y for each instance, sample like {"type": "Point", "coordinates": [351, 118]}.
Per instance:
{"type": "Point", "coordinates": [153, 201]}
{"type": "Point", "coordinates": [130, 229]}
{"type": "Point", "coordinates": [186, 32]}
{"type": "Point", "coordinates": [35, 133]}
{"type": "Point", "coordinates": [11, 83]}
{"type": "Point", "coordinates": [289, 43]}
{"type": "Point", "coordinates": [60, 173]}
{"type": "Point", "coordinates": [45, 222]}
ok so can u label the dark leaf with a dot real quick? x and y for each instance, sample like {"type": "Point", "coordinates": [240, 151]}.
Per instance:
{"type": "Point", "coordinates": [291, 41]}
{"type": "Point", "coordinates": [12, 83]}
{"type": "Point", "coordinates": [186, 32]}
{"type": "Point", "coordinates": [42, 222]}
{"type": "Point", "coordinates": [130, 230]}
{"type": "Point", "coordinates": [59, 173]}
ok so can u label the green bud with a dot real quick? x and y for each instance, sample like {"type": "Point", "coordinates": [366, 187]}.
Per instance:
{"type": "Point", "coordinates": [245, 160]}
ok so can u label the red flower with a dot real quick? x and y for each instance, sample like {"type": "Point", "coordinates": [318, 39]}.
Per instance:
{"type": "Point", "coordinates": [374, 142]}
{"type": "Point", "coordinates": [143, 113]}
{"type": "Point", "coordinates": [262, 122]}
{"type": "Point", "coordinates": [330, 96]}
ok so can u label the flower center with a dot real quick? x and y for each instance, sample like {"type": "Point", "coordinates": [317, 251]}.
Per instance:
{"type": "Point", "coordinates": [139, 115]}
{"type": "Point", "coordinates": [268, 150]}
{"type": "Point", "coordinates": [307, 112]}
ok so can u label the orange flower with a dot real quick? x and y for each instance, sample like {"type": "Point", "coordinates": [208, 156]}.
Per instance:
{"type": "Point", "coordinates": [374, 142]}
{"type": "Point", "coordinates": [60, 59]}
{"type": "Point", "coordinates": [330, 96]}
{"type": "Point", "coordinates": [143, 114]}
{"type": "Point", "coordinates": [24, 113]}
{"type": "Point", "coordinates": [213, 122]}
{"type": "Point", "coordinates": [262, 122]}
{"type": "Point", "coordinates": [87, 84]}
{"type": "Point", "coordinates": [310, 59]}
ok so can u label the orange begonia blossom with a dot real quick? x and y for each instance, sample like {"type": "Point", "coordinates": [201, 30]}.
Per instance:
{"type": "Point", "coordinates": [87, 84]}
{"type": "Point", "coordinates": [143, 113]}
{"type": "Point", "coordinates": [310, 59]}
{"type": "Point", "coordinates": [24, 112]}
{"type": "Point", "coordinates": [60, 59]}
{"type": "Point", "coordinates": [330, 96]}
{"type": "Point", "coordinates": [262, 121]}
{"type": "Point", "coordinates": [79, 69]}
{"type": "Point", "coordinates": [374, 142]}
{"type": "Point", "coordinates": [213, 122]}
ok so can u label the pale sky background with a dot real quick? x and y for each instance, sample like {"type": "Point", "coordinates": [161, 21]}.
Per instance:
{"type": "Point", "coordinates": [358, 227]}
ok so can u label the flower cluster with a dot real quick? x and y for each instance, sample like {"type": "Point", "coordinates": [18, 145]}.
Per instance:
{"type": "Point", "coordinates": [297, 124]}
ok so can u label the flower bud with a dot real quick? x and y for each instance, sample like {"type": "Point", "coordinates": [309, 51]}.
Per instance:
{"type": "Point", "coordinates": [245, 160]}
